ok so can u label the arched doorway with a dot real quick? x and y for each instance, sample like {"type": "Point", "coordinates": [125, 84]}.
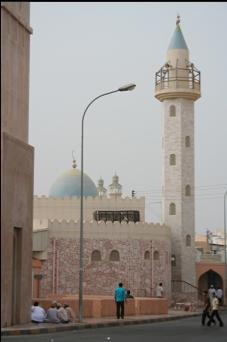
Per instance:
{"type": "Point", "coordinates": [210, 278]}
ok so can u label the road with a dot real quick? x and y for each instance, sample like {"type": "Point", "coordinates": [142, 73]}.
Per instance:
{"type": "Point", "coordinates": [182, 330]}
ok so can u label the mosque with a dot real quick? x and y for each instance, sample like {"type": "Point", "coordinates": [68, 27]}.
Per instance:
{"type": "Point", "coordinates": [118, 244]}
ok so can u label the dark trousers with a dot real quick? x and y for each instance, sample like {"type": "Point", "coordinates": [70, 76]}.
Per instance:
{"type": "Point", "coordinates": [206, 314]}
{"type": "Point", "coordinates": [120, 309]}
{"type": "Point", "coordinates": [216, 314]}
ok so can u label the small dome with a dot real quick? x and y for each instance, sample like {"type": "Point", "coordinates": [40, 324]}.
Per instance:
{"type": "Point", "coordinates": [68, 185]}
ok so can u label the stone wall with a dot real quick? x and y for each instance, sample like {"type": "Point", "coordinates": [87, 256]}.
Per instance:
{"type": "Point", "coordinates": [140, 274]}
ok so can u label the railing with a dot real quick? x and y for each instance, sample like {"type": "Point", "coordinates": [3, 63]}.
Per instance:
{"type": "Point", "coordinates": [168, 77]}
{"type": "Point", "coordinates": [186, 295]}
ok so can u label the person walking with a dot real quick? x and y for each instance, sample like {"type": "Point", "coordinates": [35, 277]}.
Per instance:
{"type": "Point", "coordinates": [120, 297]}
{"type": "Point", "coordinates": [214, 312]}
{"type": "Point", "coordinates": [211, 291]}
{"type": "Point", "coordinates": [219, 294]}
{"type": "Point", "coordinates": [206, 310]}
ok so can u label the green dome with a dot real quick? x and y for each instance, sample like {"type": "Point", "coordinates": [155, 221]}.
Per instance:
{"type": "Point", "coordinates": [68, 185]}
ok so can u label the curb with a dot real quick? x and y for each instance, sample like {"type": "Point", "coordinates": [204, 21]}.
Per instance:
{"type": "Point", "coordinates": [80, 326]}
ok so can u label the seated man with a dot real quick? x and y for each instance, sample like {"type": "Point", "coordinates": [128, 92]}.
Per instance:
{"type": "Point", "coordinates": [52, 314]}
{"type": "Point", "coordinates": [38, 314]}
{"type": "Point", "coordinates": [62, 314]}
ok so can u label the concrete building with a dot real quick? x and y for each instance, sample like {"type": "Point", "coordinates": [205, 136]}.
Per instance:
{"type": "Point", "coordinates": [177, 86]}
{"type": "Point", "coordinates": [16, 165]}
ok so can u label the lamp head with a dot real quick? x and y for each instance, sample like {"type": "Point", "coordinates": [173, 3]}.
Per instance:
{"type": "Point", "coordinates": [127, 87]}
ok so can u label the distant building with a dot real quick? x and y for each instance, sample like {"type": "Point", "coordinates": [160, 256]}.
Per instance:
{"type": "Point", "coordinates": [210, 267]}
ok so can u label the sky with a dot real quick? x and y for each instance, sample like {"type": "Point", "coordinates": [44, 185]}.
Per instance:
{"type": "Point", "coordinates": [80, 50]}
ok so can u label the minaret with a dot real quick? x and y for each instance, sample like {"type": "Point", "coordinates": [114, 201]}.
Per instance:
{"type": "Point", "coordinates": [177, 85]}
{"type": "Point", "coordinates": [100, 188]}
{"type": "Point", "coordinates": [115, 189]}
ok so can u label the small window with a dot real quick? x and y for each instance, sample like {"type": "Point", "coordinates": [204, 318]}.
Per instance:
{"type": "Point", "coordinates": [187, 190]}
{"type": "Point", "coordinates": [172, 111]}
{"type": "Point", "coordinates": [96, 256]}
{"type": "Point", "coordinates": [114, 256]}
{"type": "Point", "coordinates": [187, 141]}
{"type": "Point", "coordinates": [147, 255]}
{"type": "Point", "coordinates": [188, 240]}
{"type": "Point", "coordinates": [173, 260]}
{"type": "Point", "coordinates": [156, 255]}
{"type": "Point", "coordinates": [172, 159]}
{"type": "Point", "coordinates": [172, 209]}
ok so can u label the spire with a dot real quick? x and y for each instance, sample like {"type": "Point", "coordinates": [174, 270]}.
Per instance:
{"type": "Point", "coordinates": [177, 41]}
{"type": "Point", "coordinates": [100, 188]}
{"type": "Point", "coordinates": [115, 189]}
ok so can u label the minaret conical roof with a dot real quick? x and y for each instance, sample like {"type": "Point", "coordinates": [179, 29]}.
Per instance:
{"type": "Point", "coordinates": [177, 41]}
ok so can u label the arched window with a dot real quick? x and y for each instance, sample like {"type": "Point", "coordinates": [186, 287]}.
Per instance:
{"type": "Point", "coordinates": [114, 256]}
{"type": "Point", "coordinates": [156, 255]}
{"type": "Point", "coordinates": [188, 240]}
{"type": "Point", "coordinates": [96, 256]}
{"type": "Point", "coordinates": [172, 159]}
{"type": "Point", "coordinates": [173, 260]}
{"type": "Point", "coordinates": [172, 209]}
{"type": "Point", "coordinates": [187, 190]}
{"type": "Point", "coordinates": [172, 111]}
{"type": "Point", "coordinates": [147, 255]}
{"type": "Point", "coordinates": [187, 141]}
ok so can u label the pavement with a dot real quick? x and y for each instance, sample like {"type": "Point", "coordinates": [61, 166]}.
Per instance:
{"type": "Point", "coordinates": [44, 328]}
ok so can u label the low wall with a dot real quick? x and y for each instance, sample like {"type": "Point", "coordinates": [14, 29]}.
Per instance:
{"type": "Point", "coordinates": [104, 306]}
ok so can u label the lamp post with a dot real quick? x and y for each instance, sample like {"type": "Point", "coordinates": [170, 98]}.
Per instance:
{"type": "Point", "coordinates": [81, 271]}
{"type": "Point", "coordinates": [225, 270]}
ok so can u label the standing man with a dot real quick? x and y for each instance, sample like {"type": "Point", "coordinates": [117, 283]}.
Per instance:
{"type": "Point", "coordinates": [120, 296]}
{"type": "Point", "coordinates": [159, 291]}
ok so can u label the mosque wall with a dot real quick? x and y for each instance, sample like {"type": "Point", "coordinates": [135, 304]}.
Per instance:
{"type": "Point", "coordinates": [69, 207]}
{"type": "Point", "coordinates": [138, 254]}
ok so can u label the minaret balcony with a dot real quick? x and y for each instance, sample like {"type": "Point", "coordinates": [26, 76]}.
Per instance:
{"type": "Point", "coordinates": [172, 83]}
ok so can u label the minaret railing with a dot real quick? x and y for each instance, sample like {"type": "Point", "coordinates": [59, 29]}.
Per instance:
{"type": "Point", "coordinates": [168, 77]}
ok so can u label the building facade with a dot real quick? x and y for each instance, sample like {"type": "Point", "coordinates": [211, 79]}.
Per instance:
{"type": "Point", "coordinates": [118, 244]}
{"type": "Point", "coordinates": [16, 165]}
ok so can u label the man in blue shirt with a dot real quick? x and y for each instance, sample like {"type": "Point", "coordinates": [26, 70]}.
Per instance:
{"type": "Point", "coordinates": [120, 296]}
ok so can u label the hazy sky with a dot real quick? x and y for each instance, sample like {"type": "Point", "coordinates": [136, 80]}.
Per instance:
{"type": "Point", "coordinates": [81, 50]}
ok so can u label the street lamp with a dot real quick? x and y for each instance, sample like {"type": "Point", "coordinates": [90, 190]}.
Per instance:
{"type": "Point", "coordinates": [127, 87]}
{"type": "Point", "coordinates": [225, 270]}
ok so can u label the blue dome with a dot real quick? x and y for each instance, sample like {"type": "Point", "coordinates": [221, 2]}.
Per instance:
{"type": "Point", "coordinates": [68, 185]}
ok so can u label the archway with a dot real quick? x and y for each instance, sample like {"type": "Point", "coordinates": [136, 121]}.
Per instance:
{"type": "Point", "coordinates": [210, 278]}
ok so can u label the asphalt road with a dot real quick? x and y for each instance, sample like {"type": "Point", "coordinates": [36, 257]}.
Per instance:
{"type": "Point", "coordinates": [182, 330]}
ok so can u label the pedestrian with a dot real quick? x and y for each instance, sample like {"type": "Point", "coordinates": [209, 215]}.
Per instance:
{"type": "Point", "coordinates": [219, 294]}
{"type": "Point", "coordinates": [207, 309]}
{"type": "Point", "coordinates": [70, 313]}
{"type": "Point", "coordinates": [128, 295]}
{"type": "Point", "coordinates": [62, 314]}
{"type": "Point", "coordinates": [38, 314]}
{"type": "Point", "coordinates": [120, 297]}
{"type": "Point", "coordinates": [211, 291]}
{"type": "Point", "coordinates": [214, 312]}
{"type": "Point", "coordinates": [52, 314]}
{"type": "Point", "coordinates": [159, 291]}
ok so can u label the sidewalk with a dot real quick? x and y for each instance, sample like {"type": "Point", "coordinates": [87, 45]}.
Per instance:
{"type": "Point", "coordinates": [42, 328]}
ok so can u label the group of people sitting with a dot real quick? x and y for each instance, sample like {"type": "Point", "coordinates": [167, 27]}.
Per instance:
{"type": "Point", "coordinates": [57, 313]}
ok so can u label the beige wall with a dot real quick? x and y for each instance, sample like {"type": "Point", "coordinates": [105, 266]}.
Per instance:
{"type": "Point", "coordinates": [16, 165]}
{"type": "Point", "coordinates": [68, 208]}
